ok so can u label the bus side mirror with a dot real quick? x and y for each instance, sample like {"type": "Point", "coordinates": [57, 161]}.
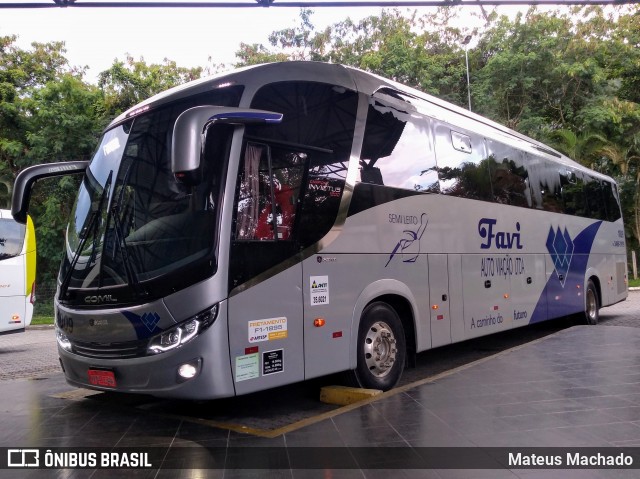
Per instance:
{"type": "Point", "coordinates": [190, 131]}
{"type": "Point", "coordinates": [27, 177]}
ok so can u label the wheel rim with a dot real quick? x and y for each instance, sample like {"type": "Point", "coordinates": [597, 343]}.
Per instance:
{"type": "Point", "coordinates": [380, 349]}
{"type": "Point", "coordinates": [592, 306]}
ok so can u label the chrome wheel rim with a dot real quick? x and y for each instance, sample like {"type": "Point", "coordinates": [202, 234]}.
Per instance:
{"type": "Point", "coordinates": [592, 306]}
{"type": "Point", "coordinates": [380, 349]}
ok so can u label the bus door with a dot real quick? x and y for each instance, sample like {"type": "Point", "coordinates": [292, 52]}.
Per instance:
{"type": "Point", "coordinates": [439, 300]}
{"type": "Point", "coordinates": [265, 278]}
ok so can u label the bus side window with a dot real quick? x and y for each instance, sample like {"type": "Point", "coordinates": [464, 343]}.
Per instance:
{"type": "Point", "coordinates": [534, 166]}
{"type": "Point", "coordinates": [397, 150]}
{"type": "Point", "coordinates": [268, 190]}
{"type": "Point", "coordinates": [509, 177]}
{"type": "Point", "coordinates": [550, 188]}
{"type": "Point", "coordinates": [593, 189]}
{"type": "Point", "coordinates": [324, 187]}
{"type": "Point", "coordinates": [253, 191]}
{"type": "Point", "coordinates": [611, 201]}
{"type": "Point", "coordinates": [462, 164]}
{"type": "Point", "coordinates": [573, 193]}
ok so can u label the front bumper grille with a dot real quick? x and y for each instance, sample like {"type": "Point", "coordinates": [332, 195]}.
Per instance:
{"type": "Point", "coordinates": [131, 349]}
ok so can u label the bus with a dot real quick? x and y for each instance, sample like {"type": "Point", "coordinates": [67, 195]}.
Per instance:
{"type": "Point", "coordinates": [17, 273]}
{"type": "Point", "coordinates": [288, 221]}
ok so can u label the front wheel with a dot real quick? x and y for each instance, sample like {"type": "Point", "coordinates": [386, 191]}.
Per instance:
{"type": "Point", "coordinates": [591, 310]}
{"type": "Point", "coordinates": [381, 348]}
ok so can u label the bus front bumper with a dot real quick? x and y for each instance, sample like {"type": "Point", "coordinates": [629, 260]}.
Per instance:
{"type": "Point", "coordinates": [207, 357]}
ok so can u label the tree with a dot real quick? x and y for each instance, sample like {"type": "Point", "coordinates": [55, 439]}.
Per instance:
{"type": "Point", "coordinates": [64, 123]}
{"type": "Point", "coordinates": [21, 73]}
{"type": "Point", "coordinates": [47, 113]}
{"type": "Point", "coordinates": [127, 83]}
{"type": "Point", "coordinates": [583, 148]}
{"type": "Point", "coordinates": [422, 52]}
{"type": "Point", "coordinates": [625, 160]}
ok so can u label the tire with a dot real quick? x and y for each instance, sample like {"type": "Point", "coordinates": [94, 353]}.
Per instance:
{"type": "Point", "coordinates": [381, 348]}
{"type": "Point", "coordinates": [592, 304]}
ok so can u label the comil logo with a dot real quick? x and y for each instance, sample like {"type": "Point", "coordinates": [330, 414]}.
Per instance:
{"type": "Point", "coordinates": [100, 299]}
{"type": "Point", "coordinates": [23, 458]}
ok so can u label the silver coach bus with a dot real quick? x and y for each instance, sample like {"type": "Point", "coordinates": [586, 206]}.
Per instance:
{"type": "Point", "coordinates": [287, 221]}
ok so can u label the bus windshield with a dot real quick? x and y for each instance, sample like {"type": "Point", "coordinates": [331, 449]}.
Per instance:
{"type": "Point", "coordinates": [133, 223]}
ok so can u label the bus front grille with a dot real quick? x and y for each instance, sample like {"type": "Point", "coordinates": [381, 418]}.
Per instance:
{"type": "Point", "coordinates": [132, 349]}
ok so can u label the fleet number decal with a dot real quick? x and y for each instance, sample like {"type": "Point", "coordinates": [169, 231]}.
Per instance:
{"type": "Point", "coordinates": [267, 329]}
{"type": "Point", "coordinates": [319, 290]}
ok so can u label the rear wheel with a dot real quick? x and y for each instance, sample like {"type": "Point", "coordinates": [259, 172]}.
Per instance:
{"type": "Point", "coordinates": [592, 305]}
{"type": "Point", "coordinates": [381, 348]}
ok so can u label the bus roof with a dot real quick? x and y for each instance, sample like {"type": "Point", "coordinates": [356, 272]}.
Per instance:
{"type": "Point", "coordinates": [254, 76]}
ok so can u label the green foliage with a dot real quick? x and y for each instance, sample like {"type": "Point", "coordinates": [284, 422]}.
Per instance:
{"type": "Point", "coordinates": [256, 54]}
{"type": "Point", "coordinates": [569, 77]}
{"type": "Point", "coordinates": [127, 83]}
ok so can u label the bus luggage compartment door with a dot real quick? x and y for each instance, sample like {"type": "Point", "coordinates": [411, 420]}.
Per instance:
{"type": "Point", "coordinates": [486, 288]}
{"type": "Point", "coordinates": [439, 300]}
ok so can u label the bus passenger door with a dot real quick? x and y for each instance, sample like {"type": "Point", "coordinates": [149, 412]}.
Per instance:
{"type": "Point", "coordinates": [265, 278]}
{"type": "Point", "coordinates": [439, 300]}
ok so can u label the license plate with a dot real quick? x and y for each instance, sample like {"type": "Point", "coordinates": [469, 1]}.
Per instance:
{"type": "Point", "coordinates": [101, 377]}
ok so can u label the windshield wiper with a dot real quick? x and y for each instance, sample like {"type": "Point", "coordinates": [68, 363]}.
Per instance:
{"type": "Point", "coordinates": [90, 229]}
{"type": "Point", "coordinates": [132, 279]}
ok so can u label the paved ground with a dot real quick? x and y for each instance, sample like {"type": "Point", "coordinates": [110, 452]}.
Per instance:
{"type": "Point", "coordinates": [30, 354]}
{"type": "Point", "coordinates": [576, 388]}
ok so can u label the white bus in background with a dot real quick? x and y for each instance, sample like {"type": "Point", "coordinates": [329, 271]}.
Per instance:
{"type": "Point", "coordinates": [287, 221]}
{"type": "Point", "coordinates": [17, 273]}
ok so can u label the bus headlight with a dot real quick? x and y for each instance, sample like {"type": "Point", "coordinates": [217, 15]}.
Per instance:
{"type": "Point", "coordinates": [63, 340]}
{"type": "Point", "coordinates": [183, 332]}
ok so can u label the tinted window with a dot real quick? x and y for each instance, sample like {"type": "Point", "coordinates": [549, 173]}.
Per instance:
{"type": "Point", "coordinates": [397, 149]}
{"type": "Point", "coordinates": [545, 182]}
{"type": "Point", "coordinates": [318, 123]}
{"type": "Point", "coordinates": [462, 165]}
{"type": "Point", "coordinates": [610, 193]}
{"type": "Point", "coordinates": [509, 177]}
{"type": "Point", "coordinates": [315, 114]}
{"type": "Point", "coordinates": [573, 195]}
{"type": "Point", "coordinates": [594, 195]}
{"type": "Point", "coordinates": [292, 175]}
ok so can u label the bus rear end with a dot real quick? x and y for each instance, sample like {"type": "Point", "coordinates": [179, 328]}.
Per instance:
{"type": "Point", "coordinates": [17, 273]}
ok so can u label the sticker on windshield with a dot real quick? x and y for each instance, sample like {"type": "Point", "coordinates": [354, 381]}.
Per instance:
{"type": "Point", "coordinates": [319, 290]}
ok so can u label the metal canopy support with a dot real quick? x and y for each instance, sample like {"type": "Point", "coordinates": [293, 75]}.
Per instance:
{"type": "Point", "coordinates": [295, 3]}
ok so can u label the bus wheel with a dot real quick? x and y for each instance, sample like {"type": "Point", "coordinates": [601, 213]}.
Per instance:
{"type": "Point", "coordinates": [591, 312]}
{"type": "Point", "coordinates": [381, 348]}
